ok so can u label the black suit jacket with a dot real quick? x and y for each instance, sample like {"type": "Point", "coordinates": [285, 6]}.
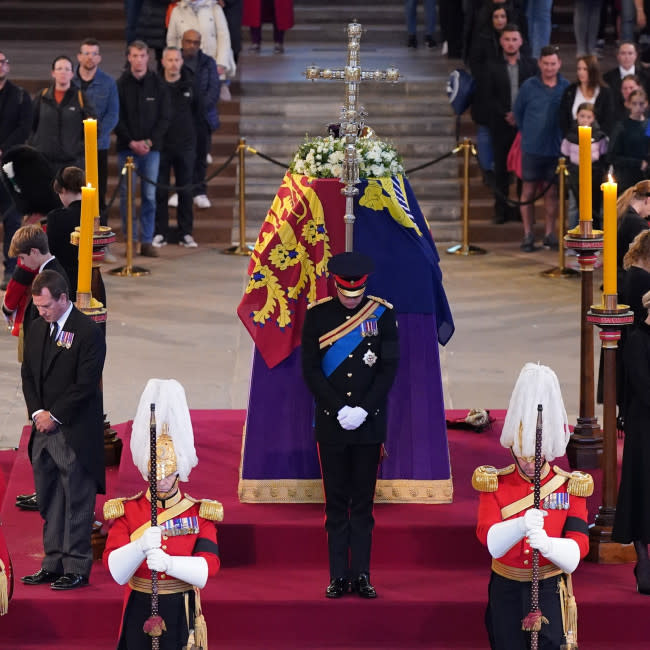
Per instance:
{"type": "Point", "coordinates": [497, 80]}
{"type": "Point", "coordinates": [355, 382]}
{"type": "Point", "coordinates": [31, 313]}
{"type": "Point", "coordinates": [60, 224]}
{"type": "Point", "coordinates": [66, 382]}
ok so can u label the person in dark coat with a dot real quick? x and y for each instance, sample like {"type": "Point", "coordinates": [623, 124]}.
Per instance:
{"type": "Point", "coordinates": [208, 86]}
{"type": "Point", "coordinates": [61, 374]}
{"type": "Point", "coordinates": [628, 64]}
{"type": "Point", "coordinates": [485, 49]}
{"type": "Point", "coordinates": [632, 519]}
{"type": "Point", "coordinates": [59, 112]}
{"type": "Point", "coordinates": [500, 118]}
{"type": "Point", "coordinates": [179, 148]}
{"type": "Point", "coordinates": [15, 126]}
{"type": "Point", "coordinates": [151, 25]}
{"type": "Point", "coordinates": [629, 144]}
{"type": "Point", "coordinates": [350, 353]}
{"type": "Point", "coordinates": [62, 221]}
{"type": "Point", "coordinates": [591, 88]}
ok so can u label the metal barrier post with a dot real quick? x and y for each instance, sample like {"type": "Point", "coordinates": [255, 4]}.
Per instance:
{"type": "Point", "coordinates": [243, 248]}
{"type": "Point", "coordinates": [561, 271]}
{"type": "Point", "coordinates": [128, 270]}
{"type": "Point", "coordinates": [465, 248]}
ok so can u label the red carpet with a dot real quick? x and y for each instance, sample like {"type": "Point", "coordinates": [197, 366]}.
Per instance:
{"type": "Point", "coordinates": [430, 571]}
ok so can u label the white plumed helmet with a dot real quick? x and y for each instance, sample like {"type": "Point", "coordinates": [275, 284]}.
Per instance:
{"type": "Point", "coordinates": [173, 418]}
{"type": "Point", "coordinates": [536, 384]}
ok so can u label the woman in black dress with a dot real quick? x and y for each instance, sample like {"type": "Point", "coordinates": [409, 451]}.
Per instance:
{"type": "Point", "coordinates": [632, 521]}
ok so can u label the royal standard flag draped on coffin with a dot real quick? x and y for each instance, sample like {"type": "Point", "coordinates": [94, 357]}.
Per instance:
{"type": "Point", "coordinates": [304, 228]}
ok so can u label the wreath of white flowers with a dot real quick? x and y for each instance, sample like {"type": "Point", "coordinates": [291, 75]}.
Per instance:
{"type": "Point", "coordinates": [322, 157]}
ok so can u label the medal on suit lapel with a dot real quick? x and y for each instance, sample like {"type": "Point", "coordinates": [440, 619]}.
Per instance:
{"type": "Point", "coordinates": [65, 339]}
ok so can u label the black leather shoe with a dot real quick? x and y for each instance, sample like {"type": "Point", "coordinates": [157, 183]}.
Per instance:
{"type": "Point", "coordinates": [337, 588]}
{"type": "Point", "coordinates": [41, 577]}
{"type": "Point", "coordinates": [23, 497]}
{"type": "Point", "coordinates": [69, 581]}
{"type": "Point", "coordinates": [363, 587]}
{"type": "Point", "coordinates": [29, 503]}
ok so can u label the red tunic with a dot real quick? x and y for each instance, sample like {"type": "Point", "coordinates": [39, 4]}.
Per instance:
{"type": "Point", "coordinates": [138, 511]}
{"type": "Point", "coordinates": [18, 294]}
{"type": "Point", "coordinates": [252, 13]}
{"type": "Point", "coordinates": [571, 523]}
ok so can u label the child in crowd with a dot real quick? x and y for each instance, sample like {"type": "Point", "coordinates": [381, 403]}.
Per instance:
{"type": "Point", "coordinates": [629, 145]}
{"type": "Point", "coordinates": [585, 116]}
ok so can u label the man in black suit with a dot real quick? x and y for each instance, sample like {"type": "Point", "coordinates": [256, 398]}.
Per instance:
{"type": "Point", "coordinates": [504, 78]}
{"type": "Point", "coordinates": [627, 57]}
{"type": "Point", "coordinates": [30, 244]}
{"type": "Point", "coordinates": [350, 353]}
{"type": "Point", "coordinates": [61, 373]}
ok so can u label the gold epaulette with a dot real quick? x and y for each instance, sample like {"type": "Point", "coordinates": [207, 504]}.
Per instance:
{"type": "Point", "coordinates": [486, 477]}
{"type": "Point", "coordinates": [381, 301]}
{"type": "Point", "coordinates": [580, 484]}
{"type": "Point", "coordinates": [114, 508]}
{"type": "Point", "coordinates": [319, 302]}
{"type": "Point", "coordinates": [209, 509]}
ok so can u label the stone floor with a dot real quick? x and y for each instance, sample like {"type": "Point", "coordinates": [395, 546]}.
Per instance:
{"type": "Point", "coordinates": [180, 322]}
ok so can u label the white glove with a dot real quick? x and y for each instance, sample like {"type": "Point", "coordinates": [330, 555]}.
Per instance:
{"type": "Point", "coordinates": [563, 552]}
{"type": "Point", "coordinates": [343, 413]}
{"type": "Point", "coordinates": [355, 418]}
{"type": "Point", "coordinates": [538, 539]}
{"type": "Point", "coordinates": [193, 570]}
{"type": "Point", "coordinates": [504, 535]}
{"type": "Point", "coordinates": [123, 561]}
{"type": "Point", "coordinates": [532, 519]}
{"type": "Point", "coordinates": [151, 538]}
{"type": "Point", "coordinates": [158, 560]}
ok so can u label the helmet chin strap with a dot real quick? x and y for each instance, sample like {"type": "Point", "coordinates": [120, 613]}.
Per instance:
{"type": "Point", "coordinates": [164, 496]}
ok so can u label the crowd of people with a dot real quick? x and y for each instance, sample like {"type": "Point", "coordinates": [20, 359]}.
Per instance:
{"type": "Point", "coordinates": [527, 115]}
{"type": "Point", "coordinates": [162, 117]}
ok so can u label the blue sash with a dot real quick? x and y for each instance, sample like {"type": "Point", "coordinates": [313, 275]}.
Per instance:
{"type": "Point", "coordinates": [339, 351]}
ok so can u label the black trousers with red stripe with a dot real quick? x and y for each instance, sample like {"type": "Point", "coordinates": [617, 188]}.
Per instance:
{"type": "Point", "coordinates": [349, 478]}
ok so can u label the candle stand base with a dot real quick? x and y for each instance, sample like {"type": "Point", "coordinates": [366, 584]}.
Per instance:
{"type": "Point", "coordinates": [130, 271]}
{"type": "Point", "coordinates": [602, 549]}
{"type": "Point", "coordinates": [557, 272]}
{"type": "Point", "coordinates": [238, 250]}
{"type": "Point", "coordinates": [459, 249]}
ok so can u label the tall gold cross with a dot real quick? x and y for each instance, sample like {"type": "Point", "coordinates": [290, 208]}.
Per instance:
{"type": "Point", "coordinates": [351, 118]}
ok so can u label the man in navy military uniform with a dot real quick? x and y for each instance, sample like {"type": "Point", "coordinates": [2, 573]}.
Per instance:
{"type": "Point", "coordinates": [350, 353]}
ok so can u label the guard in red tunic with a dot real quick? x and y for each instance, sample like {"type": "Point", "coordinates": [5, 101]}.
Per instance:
{"type": "Point", "coordinates": [512, 528]}
{"type": "Point", "coordinates": [182, 548]}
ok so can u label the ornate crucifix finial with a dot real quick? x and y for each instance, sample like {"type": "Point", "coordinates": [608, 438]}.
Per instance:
{"type": "Point", "coordinates": [352, 117]}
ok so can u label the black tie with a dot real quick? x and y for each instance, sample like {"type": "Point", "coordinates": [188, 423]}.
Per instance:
{"type": "Point", "coordinates": [53, 332]}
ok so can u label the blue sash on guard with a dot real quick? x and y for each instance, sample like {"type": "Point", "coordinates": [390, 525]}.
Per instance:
{"type": "Point", "coordinates": [344, 346]}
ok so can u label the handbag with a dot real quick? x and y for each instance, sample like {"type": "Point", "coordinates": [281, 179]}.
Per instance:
{"type": "Point", "coordinates": [513, 162]}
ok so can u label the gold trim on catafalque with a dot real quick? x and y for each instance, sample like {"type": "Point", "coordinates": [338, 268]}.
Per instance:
{"type": "Point", "coordinates": [311, 491]}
